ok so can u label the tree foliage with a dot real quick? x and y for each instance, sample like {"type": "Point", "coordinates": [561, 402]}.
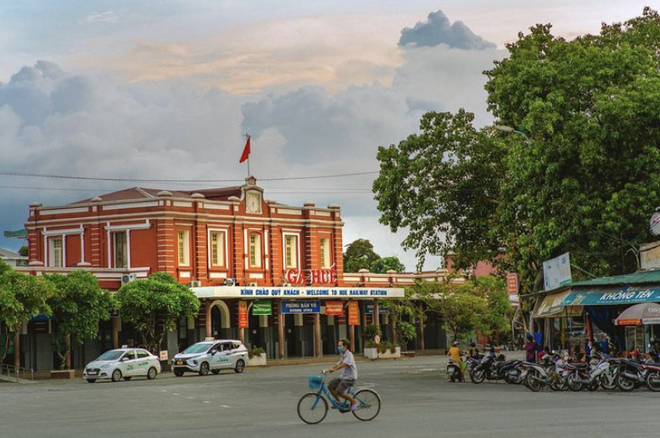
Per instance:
{"type": "Point", "coordinates": [4, 267]}
{"type": "Point", "coordinates": [155, 305]}
{"type": "Point", "coordinates": [582, 175]}
{"type": "Point", "coordinates": [23, 297]}
{"type": "Point", "coordinates": [78, 306]}
{"type": "Point", "coordinates": [384, 264]}
{"type": "Point", "coordinates": [360, 254]}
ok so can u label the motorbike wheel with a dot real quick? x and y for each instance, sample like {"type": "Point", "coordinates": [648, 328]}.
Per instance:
{"type": "Point", "coordinates": [653, 381]}
{"type": "Point", "coordinates": [532, 383]}
{"type": "Point", "coordinates": [608, 382]}
{"type": "Point", "coordinates": [478, 376]}
{"type": "Point", "coordinates": [574, 385]}
{"type": "Point", "coordinates": [593, 386]}
{"type": "Point", "coordinates": [560, 383]}
{"type": "Point", "coordinates": [624, 384]}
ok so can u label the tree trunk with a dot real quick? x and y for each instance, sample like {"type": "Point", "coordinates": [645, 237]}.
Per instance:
{"type": "Point", "coordinates": [422, 341]}
{"type": "Point", "coordinates": [67, 354]}
{"type": "Point", "coordinates": [17, 347]}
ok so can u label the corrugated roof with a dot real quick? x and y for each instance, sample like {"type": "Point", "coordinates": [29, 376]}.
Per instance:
{"type": "Point", "coordinates": [636, 278]}
{"type": "Point", "coordinates": [10, 255]}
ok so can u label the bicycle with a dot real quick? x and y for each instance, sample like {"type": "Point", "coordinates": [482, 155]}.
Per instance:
{"type": "Point", "coordinates": [313, 406]}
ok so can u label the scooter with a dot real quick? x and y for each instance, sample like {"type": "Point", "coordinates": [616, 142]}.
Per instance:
{"type": "Point", "coordinates": [454, 373]}
{"type": "Point", "coordinates": [592, 380]}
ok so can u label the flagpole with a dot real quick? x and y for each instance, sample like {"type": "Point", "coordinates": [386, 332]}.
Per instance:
{"type": "Point", "coordinates": [248, 158]}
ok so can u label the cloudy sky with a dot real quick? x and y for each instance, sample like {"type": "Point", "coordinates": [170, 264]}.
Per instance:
{"type": "Point", "coordinates": [164, 89]}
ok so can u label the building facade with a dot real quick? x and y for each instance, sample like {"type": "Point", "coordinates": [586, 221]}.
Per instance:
{"type": "Point", "coordinates": [266, 273]}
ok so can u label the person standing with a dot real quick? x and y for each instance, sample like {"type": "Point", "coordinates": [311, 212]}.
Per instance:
{"type": "Point", "coordinates": [530, 349]}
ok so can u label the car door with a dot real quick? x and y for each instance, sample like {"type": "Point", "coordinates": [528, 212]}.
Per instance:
{"type": "Point", "coordinates": [214, 355]}
{"type": "Point", "coordinates": [127, 363]}
{"type": "Point", "coordinates": [225, 355]}
{"type": "Point", "coordinates": [142, 361]}
{"type": "Point", "coordinates": [234, 353]}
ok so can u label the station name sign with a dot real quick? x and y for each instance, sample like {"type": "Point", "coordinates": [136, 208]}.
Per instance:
{"type": "Point", "coordinates": [299, 277]}
{"type": "Point", "coordinates": [296, 292]}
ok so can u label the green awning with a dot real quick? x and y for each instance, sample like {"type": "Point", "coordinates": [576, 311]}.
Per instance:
{"type": "Point", "coordinates": [613, 296]}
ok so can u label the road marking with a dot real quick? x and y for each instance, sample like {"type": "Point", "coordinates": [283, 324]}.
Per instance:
{"type": "Point", "coordinates": [190, 398]}
{"type": "Point", "coordinates": [225, 406]}
{"type": "Point", "coordinates": [206, 401]}
{"type": "Point", "coordinates": [175, 393]}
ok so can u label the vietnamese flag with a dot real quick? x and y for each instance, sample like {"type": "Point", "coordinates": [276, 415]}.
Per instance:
{"type": "Point", "coordinates": [246, 150]}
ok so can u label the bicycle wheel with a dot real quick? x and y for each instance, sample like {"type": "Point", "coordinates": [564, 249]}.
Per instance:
{"type": "Point", "coordinates": [369, 404]}
{"type": "Point", "coordinates": [312, 408]}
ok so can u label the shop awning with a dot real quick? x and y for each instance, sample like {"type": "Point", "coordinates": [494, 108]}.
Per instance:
{"type": "Point", "coordinates": [551, 305]}
{"type": "Point", "coordinates": [644, 313]}
{"type": "Point", "coordinates": [613, 296]}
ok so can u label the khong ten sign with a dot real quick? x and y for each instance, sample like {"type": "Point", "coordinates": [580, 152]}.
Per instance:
{"type": "Point", "coordinates": [296, 292]}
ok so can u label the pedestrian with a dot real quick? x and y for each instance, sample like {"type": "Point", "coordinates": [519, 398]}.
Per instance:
{"type": "Point", "coordinates": [530, 349]}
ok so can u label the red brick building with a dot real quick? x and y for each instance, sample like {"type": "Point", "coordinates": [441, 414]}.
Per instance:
{"type": "Point", "coordinates": [230, 245]}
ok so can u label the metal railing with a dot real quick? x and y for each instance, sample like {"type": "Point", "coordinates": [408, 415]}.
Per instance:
{"type": "Point", "coordinates": [16, 372]}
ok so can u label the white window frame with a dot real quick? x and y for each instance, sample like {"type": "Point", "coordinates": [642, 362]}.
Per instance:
{"type": "Point", "coordinates": [224, 232]}
{"type": "Point", "coordinates": [325, 253]}
{"type": "Point", "coordinates": [186, 247]}
{"type": "Point", "coordinates": [297, 236]}
{"type": "Point", "coordinates": [114, 249]}
{"type": "Point", "coordinates": [258, 255]}
{"type": "Point", "coordinates": [51, 251]}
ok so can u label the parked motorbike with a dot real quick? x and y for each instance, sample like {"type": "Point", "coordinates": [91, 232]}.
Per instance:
{"type": "Point", "coordinates": [590, 377]}
{"type": "Point", "coordinates": [631, 375]}
{"type": "Point", "coordinates": [492, 369]}
{"type": "Point", "coordinates": [547, 373]}
{"type": "Point", "coordinates": [652, 376]}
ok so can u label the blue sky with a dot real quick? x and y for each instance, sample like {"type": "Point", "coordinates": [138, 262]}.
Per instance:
{"type": "Point", "coordinates": [165, 88]}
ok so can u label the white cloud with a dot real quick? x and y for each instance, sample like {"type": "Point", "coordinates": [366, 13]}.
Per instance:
{"type": "Point", "coordinates": [101, 17]}
{"type": "Point", "coordinates": [438, 30]}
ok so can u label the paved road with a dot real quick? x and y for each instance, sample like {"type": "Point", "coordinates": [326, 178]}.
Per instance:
{"type": "Point", "coordinates": [418, 402]}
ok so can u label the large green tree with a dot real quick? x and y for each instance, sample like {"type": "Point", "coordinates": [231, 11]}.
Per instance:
{"type": "Point", "coordinates": [581, 174]}
{"type": "Point", "coordinates": [384, 264]}
{"type": "Point", "coordinates": [22, 297]}
{"type": "Point", "coordinates": [359, 254]}
{"type": "Point", "coordinates": [155, 305]}
{"type": "Point", "coordinates": [78, 306]}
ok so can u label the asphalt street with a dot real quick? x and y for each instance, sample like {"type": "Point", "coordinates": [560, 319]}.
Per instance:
{"type": "Point", "coordinates": [417, 402]}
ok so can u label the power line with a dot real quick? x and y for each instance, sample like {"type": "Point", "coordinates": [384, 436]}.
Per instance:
{"type": "Point", "coordinates": [333, 191]}
{"type": "Point", "coordinates": [89, 178]}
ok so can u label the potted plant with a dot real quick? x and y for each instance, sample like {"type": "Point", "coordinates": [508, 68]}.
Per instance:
{"type": "Point", "coordinates": [257, 356]}
{"type": "Point", "coordinates": [388, 350]}
{"type": "Point", "coordinates": [372, 335]}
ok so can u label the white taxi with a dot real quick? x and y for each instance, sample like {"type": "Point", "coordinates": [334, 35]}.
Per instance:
{"type": "Point", "coordinates": [123, 363]}
{"type": "Point", "coordinates": [211, 356]}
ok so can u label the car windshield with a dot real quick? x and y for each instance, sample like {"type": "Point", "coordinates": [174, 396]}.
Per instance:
{"type": "Point", "coordinates": [111, 355]}
{"type": "Point", "coordinates": [196, 348]}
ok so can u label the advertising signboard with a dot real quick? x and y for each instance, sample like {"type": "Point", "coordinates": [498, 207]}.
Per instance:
{"type": "Point", "coordinates": [335, 308]}
{"type": "Point", "coordinates": [262, 308]}
{"type": "Point", "coordinates": [557, 272]}
{"type": "Point", "coordinates": [303, 306]}
{"type": "Point", "coordinates": [242, 314]}
{"type": "Point", "coordinates": [353, 313]}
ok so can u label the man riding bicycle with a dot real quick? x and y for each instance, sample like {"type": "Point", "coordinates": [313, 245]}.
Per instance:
{"type": "Point", "coordinates": [339, 387]}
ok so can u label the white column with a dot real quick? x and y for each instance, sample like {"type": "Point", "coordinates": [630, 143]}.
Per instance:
{"type": "Point", "coordinates": [109, 255]}
{"type": "Point", "coordinates": [82, 247]}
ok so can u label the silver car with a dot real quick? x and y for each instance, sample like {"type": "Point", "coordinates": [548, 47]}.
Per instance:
{"type": "Point", "coordinates": [123, 363]}
{"type": "Point", "coordinates": [211, 356]}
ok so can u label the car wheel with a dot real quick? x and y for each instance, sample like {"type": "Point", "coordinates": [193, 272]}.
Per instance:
{"type": "Point", "coordinates": [91, 380]}
{"type": "Point", "coordinates": [215, 372]}
{"type": "Point", "coordinates": [151, 375]}
{"type": "Point", "coordinates": [127, 378]}
{"type": "Point", "coordinates": [178, 372]}
{"type": "Point", "coordinates": [116, 375]}
{"type": "Point", "coordinates": [204, 369]}
{"type": "Point", "coordinates": [240, 366]}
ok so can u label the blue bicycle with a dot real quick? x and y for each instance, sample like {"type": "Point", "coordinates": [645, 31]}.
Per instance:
{"type": "Point", "coordinates": [313, 406]}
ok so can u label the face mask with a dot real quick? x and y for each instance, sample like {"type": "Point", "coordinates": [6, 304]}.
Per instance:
{"type": "Point", "coordinates": [340, 350]}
